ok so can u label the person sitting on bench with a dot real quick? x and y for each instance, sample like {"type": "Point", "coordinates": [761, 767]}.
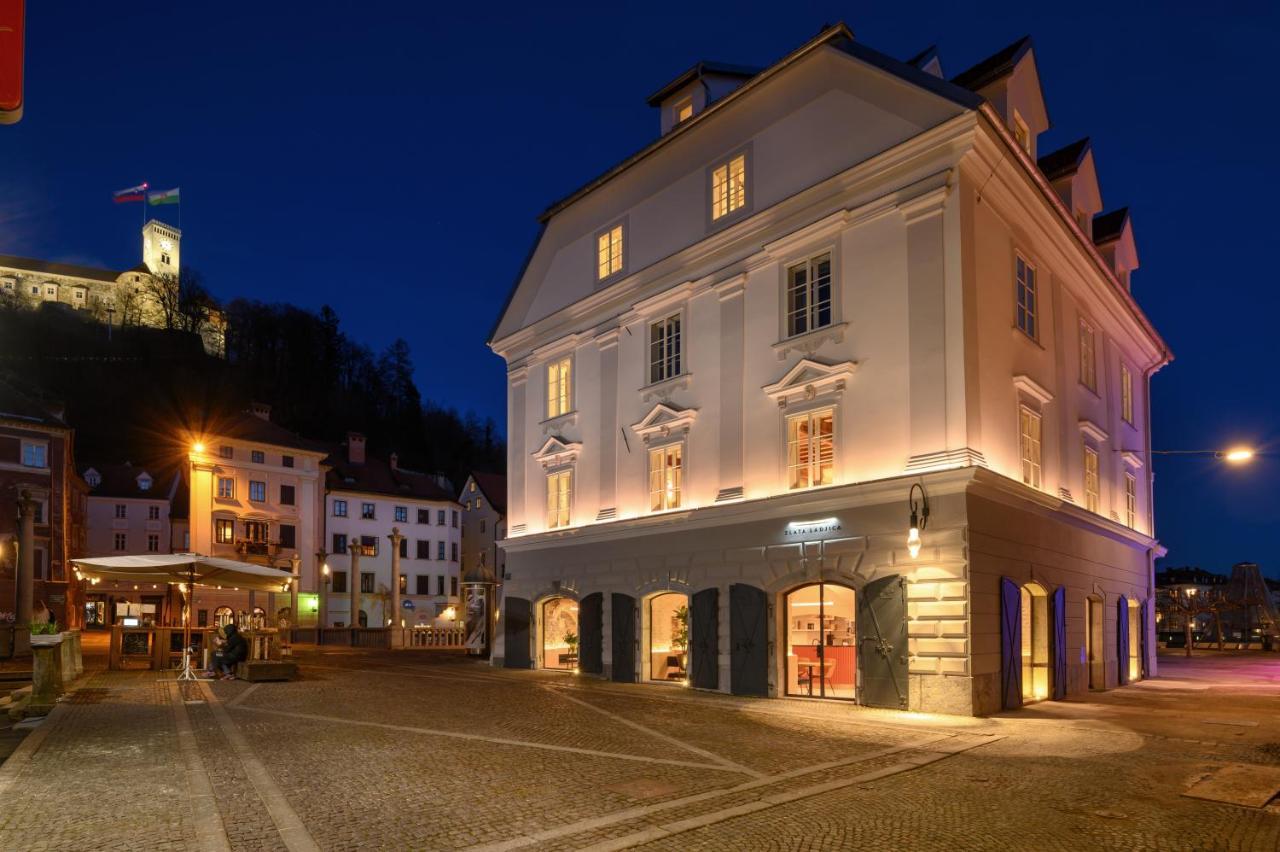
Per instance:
{"type": "Point", "coordinates": [234, 650]}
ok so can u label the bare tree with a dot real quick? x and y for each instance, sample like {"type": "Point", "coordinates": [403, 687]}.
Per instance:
{"type": "Point", "coordinates": [1187, 604]}
{"type": "Point", "coordinates": [181, 300]}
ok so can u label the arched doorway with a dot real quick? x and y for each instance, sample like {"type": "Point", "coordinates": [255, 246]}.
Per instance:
{"type": "Point", "coordinates": [559, 634]}
{"type": "Point", "coordinates": [821, 643]}
{"type": "Point", "coordinates": [669, 637]}
{"type": "Point", "coordinates": [223, 615]}
{"type": "Point", "coordinates": [364, 619]}
{"type": "Point", "coordinates": [258, 618]}
{"type": "Point", "coordinates": [1093, 642]}
{"type": "Point", "coordinates": [1035, 643]}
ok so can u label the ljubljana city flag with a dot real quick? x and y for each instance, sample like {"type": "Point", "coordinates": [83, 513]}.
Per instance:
{"type": "Point", "coordinates": [168, 196]}
{"type": "Point", "coordinates": [133, 193]}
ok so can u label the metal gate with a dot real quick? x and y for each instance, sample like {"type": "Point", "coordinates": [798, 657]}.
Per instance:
{"type": "Point", "coordinates": [1058, 603]}
{"type": "Point", "coordinates": [882, 642]}
{"type": "Point", "coordinates": [623, 637]}
{"type": "Point", "coordinates": [748, 640]}
{"type": "Point", "coordinates": [591, 634]}
{"type": "Point", "coordinates": [705, 665]}
{"type": "Point", "coordinates": [516, 634]}
{"type": "Point", "coordinates": [1122, 639]}
{"type": "Point", "coordinates": [1010, 644]}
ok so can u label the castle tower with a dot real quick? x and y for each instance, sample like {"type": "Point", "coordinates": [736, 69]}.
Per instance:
{"type": "Point", "coordinates": [160, 247]}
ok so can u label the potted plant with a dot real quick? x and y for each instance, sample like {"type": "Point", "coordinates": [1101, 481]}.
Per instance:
{"type": "Point", "coordinates": [45, 634]}
{"type": "Point", "coordinates": [571, 639]}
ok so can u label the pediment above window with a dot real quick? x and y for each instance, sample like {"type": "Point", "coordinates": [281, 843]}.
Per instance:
{"type": "Point", "coordinates": [1092, 430]}
{"type": "Point", "coordinates": [664, 420]}
{"type": "Point", "coordinates": [558, 451]}
{"type": "Point", "coordinates": [810, 379]}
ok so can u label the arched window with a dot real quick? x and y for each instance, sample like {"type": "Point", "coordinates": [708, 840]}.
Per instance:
{"type": "Point", "coordinates": [223, 616]}
{"type": "Point", "coordinates": [669, 637]}
{"type": "Point", "coordinates": [560, 634]}
{"type": "Point", "coordinates": [822, 643]}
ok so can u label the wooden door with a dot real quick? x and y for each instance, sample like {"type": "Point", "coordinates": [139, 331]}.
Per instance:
{"type": "Point", "coordinates": [1122, 639]}
{"type": "Point", "coordinates": [623, 637]}
{"type": "Point", "coordinates": [1058, 603]}
{"type": "Point", "coordinates": [591, 634]}
{"type": "Point", "coordinates": [1010, 644]}
{"type": "Point", "coordinates": [748, 640]}
{"type": "Point", "coordinates": [516, 634]}
{"type": "Point", "coordinates": [882, 642]}
{"type": "Point", "coordinates": [704, 666]}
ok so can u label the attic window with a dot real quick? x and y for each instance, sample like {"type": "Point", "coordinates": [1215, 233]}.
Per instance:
{"type": "Point", "coordinates": [1021, 133]}
{"type": "Point", "coordinates": [144, 483]}
{"type": "Point", "coordinates": [683, 110]}
{"type": "Point", "coordinates": [93, 478]}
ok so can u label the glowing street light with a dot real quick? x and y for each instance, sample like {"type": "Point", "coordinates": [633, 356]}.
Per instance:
{"type": "Point", "coordinates": [1239, 455]}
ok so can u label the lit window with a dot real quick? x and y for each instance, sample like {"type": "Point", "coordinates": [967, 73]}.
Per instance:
{"type": "Point", "coordinates": [339, 508]}
{"type": "Point", "coordinates": [664, 349]}
{"type": "Point", "coordinates": [809, 295]}
{"type": "Point", "coordinates": [559, 492]}
{"type": "Point", "coordinates": [1029, 445]}
{"type": "Point", "coordinates": [369, 545]}
{"type": "Point", "coordinates": [1090, 478]}
{"type": "Point", "coordinates": [729, 187]}
{"type": "Point", "coordinates": [472, 487]}
{"type": "Point", "coordinates": [257, 491]}
{"type": "Point", "coordinates": [256, 531]}
{"type": "Point", "coordinates": [810, 449]}
{"type": "Point", "coordinates": [609, 253]}
{"type": "Point", "coordinates": [1027, 302]}
{"type": "Point", "coordinates": [1130, 500]}
{"type": "Point", "coordinates": [665, 468]}
{"type": "Point", "coordinates": [226, 487]}
{"type": "Point", "coordinates": [684, 110]}
{"type": "Point", "coordinates": [1088, 357]}
{"type": "Point", "coordinates": [1021, 133]}
{"type": "Point", "coordinates": [559, 387]}
{"type": "Point", "coordinates": [224, 531]}
{"type": "Point", "coordinates": [35, 455]}
{"type": "Point", "coordinates": [1126, 394]}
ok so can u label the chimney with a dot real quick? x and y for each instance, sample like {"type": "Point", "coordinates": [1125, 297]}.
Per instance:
{"type": "Point", "coordinates": [395, 461]}
{"type": "Point", "coordinates": [260, 410]}
{"type": "Point", "coordinates": [355, 448]}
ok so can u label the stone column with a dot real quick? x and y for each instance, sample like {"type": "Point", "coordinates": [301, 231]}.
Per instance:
{"type": "Point", "coordinates": [353, 584]}
{"type": "Point", "coordinates": [732, 318]}
{"type": "Point", "coordinates": [24, 575]}
{"type": "Point", "coordinates": [608, 346]}
{"type": "Point", "coordinates": [46, 678]}
{"type": "Point", "coordinates": [396, 635]}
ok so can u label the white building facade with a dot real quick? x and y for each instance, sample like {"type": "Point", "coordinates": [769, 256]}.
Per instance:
{"type": "Point", "coordinates": [837, 299]}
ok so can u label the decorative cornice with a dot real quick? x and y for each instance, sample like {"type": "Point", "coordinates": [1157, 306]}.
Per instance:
{"type": "Point", "coordinates": [945, 459]}
{"type": "Point", "coordinates": [518, 376]}
{"type": "Point", "coordinates": [664, 420]}
{"type": "Point", "coordinates": [557, 451]}
{"type": "Point", "coordinates": [607, 339]}
{"type": "Point", "coordinates": [1088, 427]}
{"type": "Point", "coordinates": [1032, 388]}
{"type": "Point", "coordinates": [810, 379]}
{"type": "Point", "coordinates": [666, 388]}
{"type": "Point", "coordinates": [1131, 459]}
{"type": "Point", "coordinates": [661, 303]}
{"type": "Point", "coordinates": [731, 288]}
{"type": "Point", "coordinates": [557, 347]}
{"type": "Point", "coordinates": [925, 205]}
{"type": "Point", "coordinates": [810, 342]}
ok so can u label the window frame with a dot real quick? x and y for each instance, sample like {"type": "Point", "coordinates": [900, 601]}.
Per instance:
{"type": "Point", "coordinates": [292, 494]}
{"type": "Point", "coordinates": [1034, 466]}
{"type": "Point", "coordinates": [662, 491]}
{"type": "Point", "coordinates": [261, 490]}
{"type": "Point", "coordinates": [1126, 393]}
{"type": "Point", "coordinates": [676, 317]}
{"type": "Point", "coordinates": [1089, 380]}
{"type": "Point", "coordinates": [624, 240]}
{"type": "Point", "coordinates": [811, 414]}
{"type": "Point", "coordinates": [807, 261]}
{"type": "Point", "coordinates": [1131, 500]}
{"type": "Point", "coordinates": [339, 508]}
{"type": "Point", "coordinates": [36, 447]}
{"type": "Point", "coordinates": [563, 395]}
{"type": "Point", "coordinates": [1092, 497]}
{"type": "Point", "coordinates": [224, 524]}
{"type": "Point", "coordinates": [400, 514]}
{"type": "Point", "coordinates": [257, 457]}
{"type": "Point", "coordinates": [1019, 308]}
{"type": "Point", "coordinates": [368, 511]}
{"type": "Point", "coordinates": [731, 214]}
{"type": "Point", "coordinates": [230, 482]}
{"type": "Point", "coordinates": [566, 510]}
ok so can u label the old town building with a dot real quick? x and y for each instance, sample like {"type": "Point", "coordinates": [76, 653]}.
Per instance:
{"type": "Point", "coordinates": [836, 389]}
{"type": "Point", "coordinates": [484, 525]}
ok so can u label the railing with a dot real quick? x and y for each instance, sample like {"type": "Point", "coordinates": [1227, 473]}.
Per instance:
{"type": "Point", "coordinates": [434, 637]}
{"type": "Point", "coordinates": [453, 638]}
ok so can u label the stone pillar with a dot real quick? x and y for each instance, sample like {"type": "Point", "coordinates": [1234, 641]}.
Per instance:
{"type": "Point", "coordinates": [608, 346]}
{"type": "Point", "coordinates": [397, 635]}
{"type": "Point", "coordinates": [353, 583]}
{"type": "Point", "coordinates": [46, 677]}
{"type": "Point", "coordinates": [732, 312]}
{"type": "Point", "coordinates": [24, 575]}
{"type": "Point", "coordinates": [926, 324]}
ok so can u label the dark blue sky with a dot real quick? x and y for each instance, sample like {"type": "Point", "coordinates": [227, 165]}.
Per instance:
{"type": "Point", "coordinates": [390, 160]}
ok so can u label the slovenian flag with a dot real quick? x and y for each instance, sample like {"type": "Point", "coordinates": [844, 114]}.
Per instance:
{"type": "Point", "coordinates": [133, 193]}
{"type": "Point", "coordinates": [168, 196]}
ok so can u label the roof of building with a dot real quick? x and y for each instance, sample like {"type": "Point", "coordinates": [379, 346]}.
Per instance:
{"type": "Point", "coordinates": [923, 58]}
{"type": "Point", "coordinates": [121, 480]}
{"type": "Point", "coordinates": [376, 476]}
{"type": "Point", "coordinates": [246, 426]}
{"type": "Point", "coordinates": [1109, 226]}
{"type": "Point", "coordinates": [71, 270]}
{"type": "Point", "coordinates": [16, 405]}
{"type": "Point", "coordinates": [994, 66]}
{"type": "Point", "coordinates": [1065, 160]}
{"type": "Point", "coordinates": [494, 488]}
{"type": "Point", "coordinates": [700, 69]}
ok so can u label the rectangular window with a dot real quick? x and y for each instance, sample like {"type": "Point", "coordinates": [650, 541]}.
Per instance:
{"type": "Point", "coordinates": [402, 514]}
{"type": "Point", "coordinates": [559, 491]}
{"type": "Point", "coordinates": [424, 549]}
{"type": "Point", "coordinates": [256, 531]}
{"type": "Point", "coordinates": [1021, 133]}
{"type": "Point", "coordinates": [1090, 478]}
{"type": "Point", "coordinates": [153, 543]}
{"type": "Point", "coordinates": [121, 541]}
{"type": "Point", "coordinates": [339, 543]}
{"type": "Point", "coordinates": [257, 491]}
{"type": "Point", "coordinates": [665, 471]}
{"type": "Point", "coordinates": [339, 582]}
{"type": "Point", "coordinates": [811, 449]}
{"type": "Point", "coordinates": [1027, 299]}
{"type": "Point", "coordinates": [1088, 357]}
{"type": "Point", "coordinates": [609, 253]}
{"type": "Point", "coordinates": [683, 110]}
{"type": "Point", "coordinates": [257, 456]}
{"type": "Point", "coordinates": [367, 511]}
{"type": "Point", "coordinates": [286, 495]}
{"type": "Point", "coordinates": [122, 511]}
{"type": "Point", "coordinates": [664, 349]}
{"type": "Point", "coordinates": [224, 531]}
{"type": "Point", "coordinates": [453, 586]}
{"type": "Point", "coordinates": [286, 461]}
{"type": "Point", "coordinates": [339, 508]}
{"type": "Point", "coordinates": [404, 583]}
{"type": "Point", "coordinates": [439, 517]}
{"type": "Point", "coordinates": [440, 585]}
{"type": "Point", "coordinates": [559, 387]}
{"type": "Point", "coordinates": [1126, 394]}
{"type": "Point", "coordinates": [454, 518]}
{"type": "Point", "coordinates": [440, 550]}
{"type": "Point", "coordinates": [369, 544]}
{"type": "Point", "coordinates": [288, 536]}
{"type": "Point", "coordinates": [35, 455]}
{"type": "Point", "coordinates": [1130, 500]}
{"type": "Point", "coordinates": [404, 548]}
{"type": "Point", "coordinates": [202, 618]}
{"type": "Point", "coordinates": [153, 513]}
{"type": "Point", "coordinates": [729, 187]}
{"type": "Point", "coordinates": [809, 295]}
{"type": "Point", "coordinates": [453, 551]}
{"type": "Point", "coordinates": [1029, 445]}
{"type": "Point", "coordinates": [226, 487]}
{"type": "Point", "coordinates": [367, 582]}
{"type": "Point", "coordinates": [422, 584]}
{"type": "Point", "coordinates": [424, 516]}
{"type": "Point", "coordinates": [226, 452]}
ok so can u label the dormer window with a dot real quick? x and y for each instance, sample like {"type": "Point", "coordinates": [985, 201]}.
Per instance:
{"type": "Point", "coordinates": [683, 111]}
{"type": "Point", "coordinates": [1021, 133]}
{"type": "Point", "coordinates": [92, 478]}
{"type": "Point", "coordinates": [144, 483]}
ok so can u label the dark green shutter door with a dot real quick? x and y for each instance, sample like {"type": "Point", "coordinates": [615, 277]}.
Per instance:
{"type": "Point", "coordinates": [591, 634]}
{"type": "Point", "coordinates": [1143, 625]}
{"type": "Point", "coordinates": [624, 637]}
{"type": "Point", "coordinates": [705, 665]}
{"type": "Point", "coordinates": [748, 641]}
{"type": "Point", "coordinates": [1058, 604]}
{"type": "Point", "coordinates": [1122, 639]}
{"type": "Point", "coordinates": [1010, 644]}
{"type": "Point", "coordinates": [516, 634]}
{"type": "Point", "coordinates": [882, 642]}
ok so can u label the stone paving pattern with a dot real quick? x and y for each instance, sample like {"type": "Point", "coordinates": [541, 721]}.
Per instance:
{"type": "Point", "coordinates": [381, 750]}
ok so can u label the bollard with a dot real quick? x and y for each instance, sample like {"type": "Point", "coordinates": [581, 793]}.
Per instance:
{"type": "Point", "coordinates": [46, 673]}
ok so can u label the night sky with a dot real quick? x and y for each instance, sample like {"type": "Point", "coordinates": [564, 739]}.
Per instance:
{"type": "Point", "coordinates": [390, 160]}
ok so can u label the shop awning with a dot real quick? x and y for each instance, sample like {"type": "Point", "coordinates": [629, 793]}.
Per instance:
{"type": "Point", "coordinates": [184, 568]}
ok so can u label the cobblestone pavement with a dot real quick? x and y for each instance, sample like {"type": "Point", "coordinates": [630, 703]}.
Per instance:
{"type": "Point", "coordinates": [374, 750]}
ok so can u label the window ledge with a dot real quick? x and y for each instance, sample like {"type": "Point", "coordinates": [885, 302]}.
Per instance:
{"type": "Point", "coordinates": [1034, 341]}
{"type": "Point", "coordinates": [810, 341]}
{"type": "Point", "coordinates": [551, 424]}
{"type": "Point", "coordinates": [666, 387]}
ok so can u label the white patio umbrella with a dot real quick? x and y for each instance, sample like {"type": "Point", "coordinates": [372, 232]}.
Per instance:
{"type": "Point", "coordinates": [189, 569]}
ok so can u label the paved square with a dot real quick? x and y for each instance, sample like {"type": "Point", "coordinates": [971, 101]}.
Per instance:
{"type": "Point", "coordinates": [380, 750]}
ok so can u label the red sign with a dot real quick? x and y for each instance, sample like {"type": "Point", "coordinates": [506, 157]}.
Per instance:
{"type": "Point", "coordinates": [12, 30]}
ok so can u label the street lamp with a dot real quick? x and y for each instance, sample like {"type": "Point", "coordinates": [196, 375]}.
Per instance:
{"type": "Point", "coordinates": [1235, 455]}
{"type": "Point", "coordinates": [919, 518]}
